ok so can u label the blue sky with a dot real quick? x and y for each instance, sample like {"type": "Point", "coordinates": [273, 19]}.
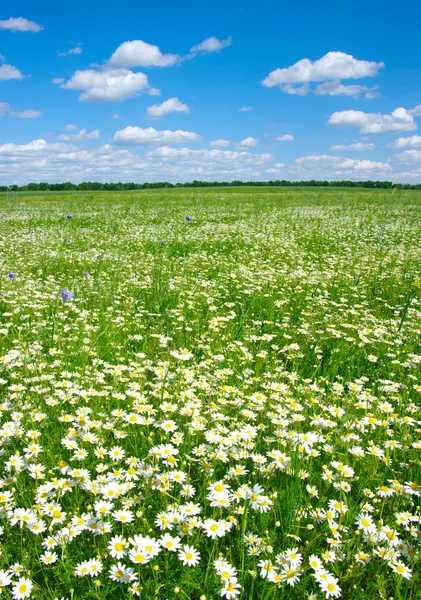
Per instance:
{"type": "Point", "coordinates": [153, 92]}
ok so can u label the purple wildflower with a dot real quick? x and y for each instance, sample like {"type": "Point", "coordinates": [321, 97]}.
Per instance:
{"type": "Point", "coordinates": [188, 219]}
{"type": "Point", "coordinates": [66, 296]}
{"type": "Point", "coordinates": [69, 217]}
{"type": "Point", "coordinates": [12, 275]}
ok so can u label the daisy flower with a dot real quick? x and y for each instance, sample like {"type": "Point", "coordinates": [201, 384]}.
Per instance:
{"type": "Point", "coordinates": [170, 543]}
{"type": "Point", "coordinates": [22, 588]}
{"type": "Point", "coordinates": [189, 556]}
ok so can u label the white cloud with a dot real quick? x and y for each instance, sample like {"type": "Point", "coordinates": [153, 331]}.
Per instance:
{"type": "Point", "coordinates": [115, 117]}
{"type": "Point", "coordinates": [275, 169]}
{"type": "Point", "coordinates": [336, 88]}
{"type": "Point", "coordinates": [9, 72]}
{"type": "Point", "coordinates": [171, 105]}
{"type": "Point", "coordinates": [357, 146]}
{"type": "Point", "coordinates": [249, 142]}
{"type": "Point", "coordinates": [70, 127]}
{"type": "Point", "coordinates": [245, 108]}
{"type": "Point", "coordinates": [326, 166]}
{"type": "Point", "coordinates": [137, 53]}
{"type": "Point", "coordinates": [332, 66]}
{"type": "Point", "coordinates": [26, 114]}
{"type": "Point", "coordinates": [20, 24]}
{"type": "Point", "coordinates": [376, 123]}
{"type": "Point", "coordinates": [204, 156]}
{"type": "Point", "coordinates": [35, 146]}
{"type": "Point", "coordinates": [109, 85]}
{"type": "Point", "coordinates": [41, 161]}
{"type": "Point", "coordinates": [285, 138]}
{"type": "Point", "coordinates": [154, 91]}
{"type": "Point", "coordinates": [219, 143]}
{"type": "Point", "coordinates": [136, 136]}
{"type": "Point", "coordinates": [80, 136]}
{"type": "Point", "coordinates": [416, 111]}
{"type": "Point", "coordinates": [404, 142]}
{"type": "Point", "coordinates": [212, 44]}
{"type": "Point", "coordinates": [73, 51]}
{"type": "Point", "coordinates": [409, 156]}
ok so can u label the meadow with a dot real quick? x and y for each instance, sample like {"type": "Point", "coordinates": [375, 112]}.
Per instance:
{"type": "Point", "coordinates": [210, 393]}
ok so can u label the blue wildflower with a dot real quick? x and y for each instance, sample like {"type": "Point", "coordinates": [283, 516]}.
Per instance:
{"type": "Point", "coordinates": [66, 296]}
{"type": "Point", "coordinates": [12, 275]}
{"type": "Point", "coordinates": [188, 219]}
{"type": "Point", "coordinates": [69, 217]}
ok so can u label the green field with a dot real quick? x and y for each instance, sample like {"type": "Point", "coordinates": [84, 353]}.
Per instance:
{"type": "Point", "coordinates": [211, 393]}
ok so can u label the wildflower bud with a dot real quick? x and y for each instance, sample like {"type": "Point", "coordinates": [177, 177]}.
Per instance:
{"type": "Point", "coordinates": [202, 597]}
{"type": "Point", "coordinates": [310, 527]}
{"type": "Point", "coordinates": [156, 567]}
{"type": "Point", "coordinates": [176, 590]}
{"type": "Point", "coordinates": [277, 524]}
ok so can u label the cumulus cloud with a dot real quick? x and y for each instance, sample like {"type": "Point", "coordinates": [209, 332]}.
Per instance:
{"type": "Point", "coordinates": [80, 136]}
{"type": "Point", "coordinates": [219, 143]}
{"type": "Point", "coordinates": [212, 44]}
{"type": "Point", "coordinates": [136, 136]}
{"type": "Point", "coordinates": [9, 72]}
{"type": "Point", "coordinates": [137, 53]}
{"type": "Point", "coordinates": [285, 138]}
{"type": "Point", "coordinates": [275, 169]}
{"type": "Point", "coordinates": [41, 161]}
{"type": "Point", "coordinates": [336, 88]}
{"type": "Point", "coordinates": [222, 158]}
{"type": "Point", "coordinates": [405, 142]}
{"type": "Point", "coordinates": [171, 105]}
{"type": "Point", "coordinates": [245, 108]}
{"type": "Point", "coordinates": [73, 51]}
{"type": "Point", "coordinates": [249, 142]}
{"type": "Point", "coordinates": [108, 85]}
{"type": "Point", "coordinates": [409, 156]}
{"type": "Point", "coordinates": [375, 123]}
{"type": "Point", "coordinates": [20, 24]}
{"type": "Point", "coordinates": [70, 127]}
{"type": "Point", "coordinates": [333, 66]}
{"type": "Point", "coordinates": [357, 146]}
{"type": "Point", "coordinates": [24, 114]}
{"type": "Point", "coordinates": [416, 111]}
{"type": "Point", "coordinates": [326, 166]}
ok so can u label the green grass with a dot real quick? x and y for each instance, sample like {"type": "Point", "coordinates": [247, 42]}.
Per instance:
{"type": "Point", "coordinates": [276, 322]}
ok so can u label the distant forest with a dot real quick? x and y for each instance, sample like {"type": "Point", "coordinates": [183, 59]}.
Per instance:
{"type": "Point", "coordinates": [96, 186]}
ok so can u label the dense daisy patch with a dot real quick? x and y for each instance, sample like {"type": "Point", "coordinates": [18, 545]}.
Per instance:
{"type": "Point", "coordinates": [210, 394]}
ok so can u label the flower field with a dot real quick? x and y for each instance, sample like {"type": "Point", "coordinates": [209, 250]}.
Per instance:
{"type": "Point", "coordinates": [211, 393]}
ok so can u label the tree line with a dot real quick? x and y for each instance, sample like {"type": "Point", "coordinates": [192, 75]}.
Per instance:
{"type": "Point", "coordinates": [96, 186]}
